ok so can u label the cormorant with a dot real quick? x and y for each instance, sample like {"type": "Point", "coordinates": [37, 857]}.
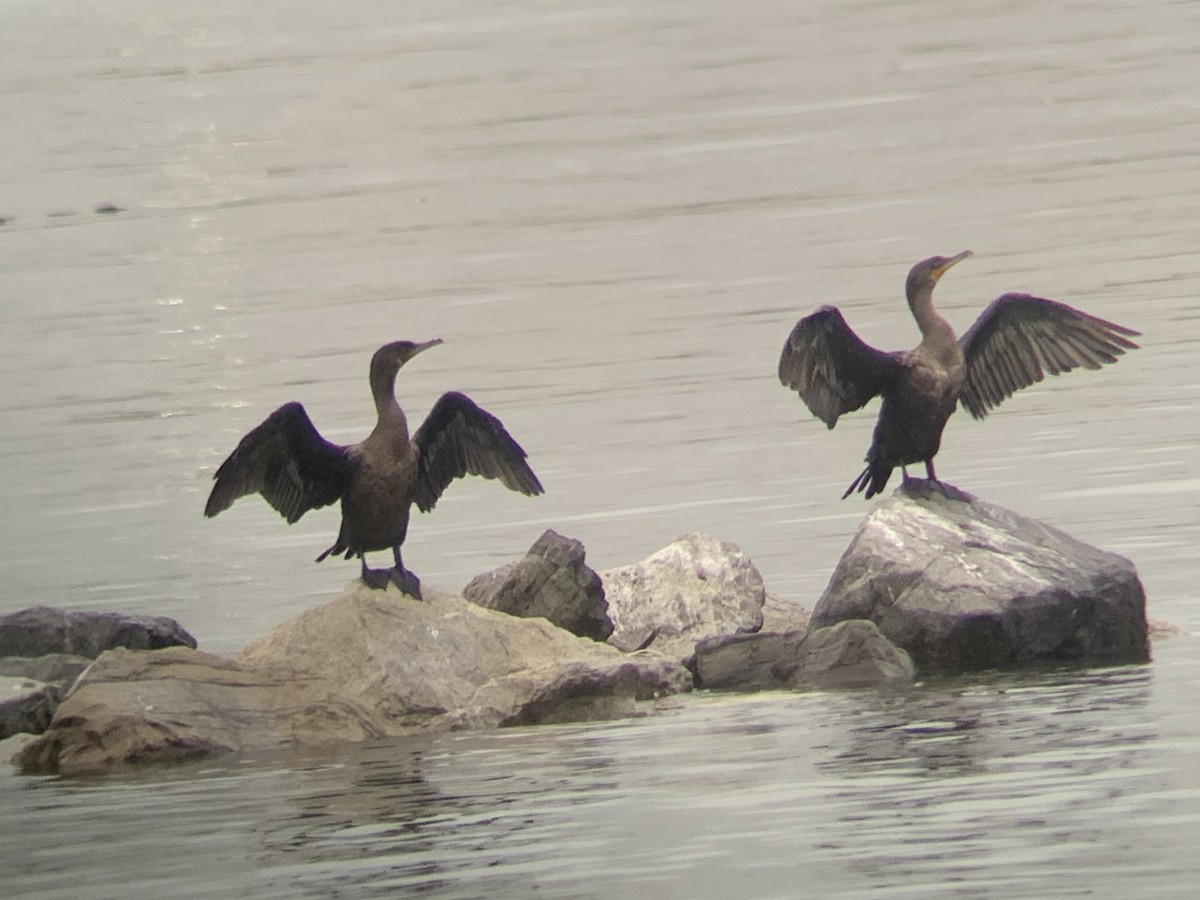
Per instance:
{"type": "Point", "coordinates": [378, 479]}
{"type": "Point", "coordinates": [1013, 344]}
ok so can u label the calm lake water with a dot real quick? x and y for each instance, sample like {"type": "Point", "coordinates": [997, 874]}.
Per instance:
{"type": "Point", "coordinates": [613, 213]}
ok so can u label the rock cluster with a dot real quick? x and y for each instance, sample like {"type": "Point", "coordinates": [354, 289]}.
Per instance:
{"type": "Point", "coordinates": [934, 581]}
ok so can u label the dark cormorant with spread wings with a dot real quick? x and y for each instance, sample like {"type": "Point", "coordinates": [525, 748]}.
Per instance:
{"type": "Point", "coordinates": [378, 479]}
{"type": "Point", "coordinates": [1014, 343]}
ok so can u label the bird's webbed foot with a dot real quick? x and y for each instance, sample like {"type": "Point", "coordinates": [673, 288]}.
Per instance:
{"type": "Point", "coordinates": [405, 580]}
{"type": "Point", "coordinates": [402, 578]}
{"type": "Point", "coordinates": [376, 579]}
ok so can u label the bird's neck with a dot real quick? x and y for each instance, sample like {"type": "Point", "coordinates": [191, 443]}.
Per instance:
{"type": "Point", "coordinates": [392, 422]}
{"type": "Point", "coordinates": [935, 331]}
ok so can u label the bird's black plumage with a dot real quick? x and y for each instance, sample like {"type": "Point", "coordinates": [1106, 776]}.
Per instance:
{"type": "Point", "coordinates": [378, 479]}
{"type": "Point", "coordinates": [1015, 342]}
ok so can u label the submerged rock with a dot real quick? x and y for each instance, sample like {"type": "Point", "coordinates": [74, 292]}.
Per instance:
{"type": "Point", "coordinates": [368, 664]}
{"type": "Point", "coordinates": [551, 581]}
{"type": "Point", "coordinates": [694, 588]}
{"type": "Point", "coordinates": [40, 630]}
{"type": "Point", "coordinates": [964, 585]}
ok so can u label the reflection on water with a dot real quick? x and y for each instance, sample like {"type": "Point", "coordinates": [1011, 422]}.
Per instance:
{"type": "Point", "coordinates": [613, 213]}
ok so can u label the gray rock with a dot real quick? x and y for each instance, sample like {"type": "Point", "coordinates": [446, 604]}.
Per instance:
{"type": "Point", "coordinates": [851, 654]}
{"type": "Point", "coordinates": [694, 588]}
{"type": "Point", "coordinates": [26, 706]}
{"type": "Point", "coordinates": [964, 585]}
{"type": "Point", "coordinates": [552, 581]}
{"type": "Point", "coordinates": [58, 669]}
{"type": "Point", "coordinates": [10, 747]}
{"type": "Point", "coordinates": [369, 664]}
{"type": "Point", "coordinates": [748, 662]}
{"type": "Point", "coordinates": [40, 630]}
{"type": "Point", "coordinates": [783, 615]}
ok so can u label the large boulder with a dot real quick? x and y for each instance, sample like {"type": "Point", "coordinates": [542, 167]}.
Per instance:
{"type": "Point", "coordinates": [369, 664]}
{"type": "Point", "coordinates": [40, 630]}
{"type": "Point", "coordinates": [552, 581]}
{"type": "Point", "coordinates": [850, 654]}
{"type": "Point", "coordinates": [694, 588]}
{"type": "Point", "coordinates": [964, 585]}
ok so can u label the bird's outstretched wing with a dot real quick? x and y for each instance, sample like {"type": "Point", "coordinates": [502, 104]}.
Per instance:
{"type": "Point", "coordinates": [285, 460]}
{"type": "Point", "coordinates": [1019, 338]}
{"type": "Point", "coordinates": [831, 368]}
{"type": "Point", "coordinates": [459, 438]}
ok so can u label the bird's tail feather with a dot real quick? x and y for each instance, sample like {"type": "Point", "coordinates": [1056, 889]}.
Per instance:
{"type": "Point", "coordinates": [858, 483]}
{"type": "Point", "coordinates": [873, 479]}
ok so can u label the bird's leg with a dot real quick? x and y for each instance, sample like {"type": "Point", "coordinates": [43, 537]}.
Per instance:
{"type": "Point", "coordinates": [373, 578]}
{"type": "Point", "coordinates": [904, 476]}
{"type": "Point", "coordinates": [405, 580]}
{"type": "Point", "coordinates": [933, 479]}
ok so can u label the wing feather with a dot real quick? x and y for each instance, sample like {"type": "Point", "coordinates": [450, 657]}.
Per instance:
{"type": "Point", "coordinates": [287, 461]}
{"type": "Point", "coordinates": [458, 438]}
{"type": "Point", "coordinates": [1019, 339]}
{"type": "Point", "coordinates": [831, 368]}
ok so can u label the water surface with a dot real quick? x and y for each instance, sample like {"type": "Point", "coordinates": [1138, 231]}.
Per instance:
{"type": "Point", "coordinates": [612, 213]}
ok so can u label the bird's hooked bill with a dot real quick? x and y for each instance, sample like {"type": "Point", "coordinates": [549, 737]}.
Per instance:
{"type": "Point", "coordinates": [956, 258]}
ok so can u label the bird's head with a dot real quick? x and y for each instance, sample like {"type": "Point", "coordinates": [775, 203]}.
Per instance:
{"type": "Point", "coordinates": [925, 274]}
{"type": "Point", "coordinates": [397, 353]}
{"type": "Point", "coordinates": [390, 357]}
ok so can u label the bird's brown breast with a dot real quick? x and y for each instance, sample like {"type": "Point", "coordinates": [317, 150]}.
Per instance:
{"type": "Point", "coordinates": [375, 508]}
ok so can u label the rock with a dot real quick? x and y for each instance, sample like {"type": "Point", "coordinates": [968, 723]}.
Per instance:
{"type": "Point", "coordinates": [177, 704]}
{"type": "Point", "coordinates": [25, 706]}
{"type": "Point", "coordinates": [52, 674]}
{"type": "Point", "coordinates": [58, 669]}
{"type": "Point", "coordinates": [851, 654]}
{"type": "Point", "coordinates": [747, 662]}
{"type": "Point", "coordinates": [694, 588]}
{"type": "Point", "coordinates": [10, 747]}
{"type": "Point", "coordinates": [964, 585]}
{"type": "Point", "coordinates": [783, 615]}
{"type": "Point", "coordinates": [551, 581]}
{"type": "Point", "coordinates": [1160, 630]}
{"type": "Point", "coordinates": [369, 664]}
{"type": "Point", "coordinates": [40, 630]}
